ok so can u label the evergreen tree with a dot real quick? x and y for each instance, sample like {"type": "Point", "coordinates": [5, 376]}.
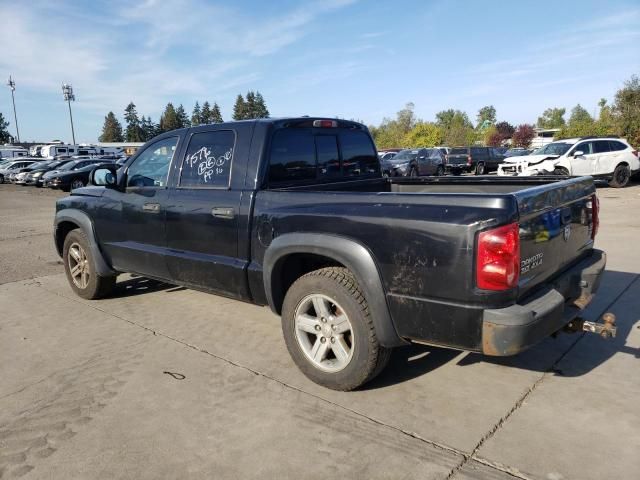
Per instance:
{"type": "Point", "coordinates": [183, 119]}
{"type": "Point", "coordinates": [133, 132]}
{"type": "Point", "coordinates": [111, 130]}
{"type": "Point", "coordinates": [205, 114]}
{"type": "Point", "coordinates": [250, 105]}
{"type": "Point", "coordinates": [149, 129]}
{"type": "Point", "coordinates": [261, 107]}
{"type": "Point", "coordinates": [240, 108]}
{"type": "Point", "coordinates": [216, 115]}
{"type": "Point", "coordinates": [5, 136]}
{"type": "Point", "coordinates": [196, 115]}
{"type": "Point", "coordinates": [169, 119]}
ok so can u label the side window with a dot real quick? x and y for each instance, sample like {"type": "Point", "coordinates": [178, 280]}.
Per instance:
{"type": "Point", "coordinates": [61, 150]}
{"type": "Point", "coordinates": [152, 165]}
{"type": "Point", "coordinates": [480, 152]}
{"type": "Point", "coordinates": [601, 146]}
{"type": "Point", "coordinates": [585, 147]}
{"type": "Point", "coordinates": [208, 160]}
{"type": "Point", "coordinates": [616, 146]}
{"type": "Point", "coordinates": [293, 156]}
{"type": "Point", "coordinates": [327, 154]}
{"type": "Point", "coordinates": [358, 155]}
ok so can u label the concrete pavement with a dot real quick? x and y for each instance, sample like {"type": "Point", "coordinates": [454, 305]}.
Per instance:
{"type": "Point", "coordinates": [84, 393]}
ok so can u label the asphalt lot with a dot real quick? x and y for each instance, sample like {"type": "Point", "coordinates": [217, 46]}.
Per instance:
{"type": "Point", "coordinates": [85, 393]}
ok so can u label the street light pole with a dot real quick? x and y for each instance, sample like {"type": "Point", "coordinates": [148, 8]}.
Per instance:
{"type": "Point", "coordinates": [67, 91]}
{"type": "Point", "coordinates": [12, 85]}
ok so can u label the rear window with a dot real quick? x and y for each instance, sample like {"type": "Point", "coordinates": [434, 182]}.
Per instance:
{"type": "Point", "coordinates": [207, 162]}
{"type": "Point", "coordinates": [300, 155]}
{"type": "Point", "coordinates": [459, 151]}
{"type": "Point", "coordinates": [616, 146]}
{"type": "Point", "coordinates": [601, 146]}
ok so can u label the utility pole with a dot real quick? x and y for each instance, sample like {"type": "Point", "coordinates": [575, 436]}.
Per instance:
{"type": "Point", "coordinates": [67, 91]}
{"type": "Point", "coordinates": [12, 85]}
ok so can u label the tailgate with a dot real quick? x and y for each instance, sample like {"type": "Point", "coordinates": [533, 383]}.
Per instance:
{"type": "Point", "coordinates": [457, 159]}
{"type": "Point", "coordinates": [555, 228]}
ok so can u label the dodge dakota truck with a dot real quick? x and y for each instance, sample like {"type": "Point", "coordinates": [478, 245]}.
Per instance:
{"type": "Point", "coordinates": [295, 214]}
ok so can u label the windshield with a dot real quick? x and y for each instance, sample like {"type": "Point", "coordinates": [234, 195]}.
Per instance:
{"type": "Point", "coordinates": [555, 148]}
{"type": "Point", "coordinates": [40, 164]}
{"type": "Point", "coordinates": [405, 156]}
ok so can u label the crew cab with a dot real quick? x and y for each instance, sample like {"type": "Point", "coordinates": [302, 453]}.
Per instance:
{"type": "Point", "coordinates": [607, 158]}
{"type": "Point", "coordinates": [478, 160]}
{"type": "Point", "coordinates": [294, 213]}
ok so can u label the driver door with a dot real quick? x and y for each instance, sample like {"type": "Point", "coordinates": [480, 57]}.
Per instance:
{"type": "Point", "coordinates": [131, 223]}
{"type": "Point", "coordinates": [585, 163]}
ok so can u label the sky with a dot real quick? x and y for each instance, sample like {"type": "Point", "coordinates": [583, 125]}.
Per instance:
{"type": "Point", "coordinates": [360, 59]}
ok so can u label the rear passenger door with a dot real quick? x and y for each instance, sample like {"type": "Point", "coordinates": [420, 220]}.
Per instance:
{"type": "Point", "coordinates": [202, 215]}
{"type": "Point", "coordinates": [604, 159]}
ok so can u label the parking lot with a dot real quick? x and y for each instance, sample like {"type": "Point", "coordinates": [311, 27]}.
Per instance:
{"type": "Point", "coordinates": [159, 381]}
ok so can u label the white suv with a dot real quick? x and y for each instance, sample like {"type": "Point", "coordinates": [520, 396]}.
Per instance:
{"type": "Point", "coordinates": [608, 158]}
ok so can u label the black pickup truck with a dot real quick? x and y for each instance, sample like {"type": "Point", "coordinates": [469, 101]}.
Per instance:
{"type": "Point", "coordinates": [295, 214]}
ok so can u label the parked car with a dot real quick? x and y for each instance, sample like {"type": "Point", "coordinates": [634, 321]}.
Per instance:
{"type": "Point", "coordinates": [7, 168]}
{"type": "Point", "coordinates": [478, 160]}
{"type": "Point", "coordinates": [517, 152]}
{"type": "Point", "coordinates": [386, 156]}
{"type": "Point", "coordinates": [74, 178]}
{"type": "Point", "coordinates": [355, 264]}
{"type": "Point", "coordinates": [607, 158]}
{"type": "Point", "coordinates": [71, 164]}
{"type": "Point", "coordinates": [21, 175]}
{"type": "Point", "coordinates": [34, 177]}
{"type": "Point", "coordinates": [415, 162]}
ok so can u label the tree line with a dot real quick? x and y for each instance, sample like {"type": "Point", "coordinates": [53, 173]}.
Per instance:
{"type": "Point", "coordinates": [142, 129]}
{"type": "Point", "coordinates": [453, 127]}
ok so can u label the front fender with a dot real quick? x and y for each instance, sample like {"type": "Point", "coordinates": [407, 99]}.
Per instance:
{"type": "Point", "coordinates": [349, 253]}
{"type": "Point", "coordinates": [82, 221]}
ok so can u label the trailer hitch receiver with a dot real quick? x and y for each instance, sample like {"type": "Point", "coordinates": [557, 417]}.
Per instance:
{"type": "Point", "coordinates": [607, 329]}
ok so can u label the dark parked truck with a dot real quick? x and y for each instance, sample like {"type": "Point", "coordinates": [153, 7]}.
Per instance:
{"type": "Point", "coordinates": [478, 160]}
{"type": "Point", "coordinates": [295, 214]}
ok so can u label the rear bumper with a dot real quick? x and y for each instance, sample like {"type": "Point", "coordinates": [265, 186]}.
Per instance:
{"type": "Point", "coordinates": [510, 330]}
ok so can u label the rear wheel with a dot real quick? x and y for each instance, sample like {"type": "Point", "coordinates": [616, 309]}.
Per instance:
{"type": "Point", "coordinates": [329, 332]}
{"type": "Point", "coordinates": [621, 176]}
{"type": "Point", "coordinates": [79, 265]}
{"type": "Point", "coordinates": [480, 169]}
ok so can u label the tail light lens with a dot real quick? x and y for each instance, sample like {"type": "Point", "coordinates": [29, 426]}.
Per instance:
{"type": "Point", "coordinates": [498, 258]}
{"type": "Point", "coordinates": [468, 159]}
{"type": "Point", "coordinates": [594, 205]}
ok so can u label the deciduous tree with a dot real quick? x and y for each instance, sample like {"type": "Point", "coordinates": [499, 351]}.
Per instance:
{"type": "Point", "coordinates": [424, 134]}
{"type": "Point", "coordinates": [505, 129]}
{"type": "Point", "coordinates": [523, 136]}
{"type": "Point", "coordinates": [626, 108]}
{"type": "Point", "coordinates": [486, 114]}
{"type": "Point", "coordinates": [552, 118]}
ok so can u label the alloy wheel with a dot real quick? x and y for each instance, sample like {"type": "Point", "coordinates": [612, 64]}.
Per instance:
{"type": "Point", "coordinates": [324, 333]}
{"type": "Point", "coordinates": [79, 266]}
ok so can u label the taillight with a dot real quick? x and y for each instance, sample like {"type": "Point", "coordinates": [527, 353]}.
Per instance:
{"type": "Point", "coordinates": [468, 159]}
{"type": "Point", "coordinates": [594, 206]}
{"type": "Point", "coordinates": [325, 123]}
{"type": "Point", "coordinates": [635, 152]}
{"type": "Point", "coordinates": [498, 258]}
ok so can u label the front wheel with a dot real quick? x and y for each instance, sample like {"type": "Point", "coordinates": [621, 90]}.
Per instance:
{"type": "Point", "coordinates": [413, 172]}
{"type": "Point", "coordinates": [79, 265]}
{"type": "Point", "coordinates": [77, 183]}
{"type": "Point", "coordinates": [621, 176]}
{"type": "Point", "coordinates": [329, 331]}
{"type": "Point", "coordinates": [440, 171]}
{"type": "Point", "coordinates": [1, 178]}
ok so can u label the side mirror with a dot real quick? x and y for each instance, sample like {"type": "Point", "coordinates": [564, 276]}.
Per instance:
{"type": "Point", "coordinates": [104, 177]}
{"type": "Point", "coordinates": [578, 153]}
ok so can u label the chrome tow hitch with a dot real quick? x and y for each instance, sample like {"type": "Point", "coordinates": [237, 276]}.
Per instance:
{"type": "Point", "coordinates": [605, 330]}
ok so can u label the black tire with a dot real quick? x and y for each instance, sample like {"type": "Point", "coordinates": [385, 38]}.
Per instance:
{"type": "Point", "coordinates": [480, 169]}
{"type": "Point", "coordinates": [621, 176]}
{"type": "Point", "coordinates": [561, 171]}
{"type": "Point", "coordinates": [440, 171]}
{"type": "Point", "coordinates": [96, 286]}
{"type": "Point", "coordinates": [1, 178]}
{"type": "Point", "coordinates": [368, 357]}
{"type": "Point", "coordinates": [78, 183]}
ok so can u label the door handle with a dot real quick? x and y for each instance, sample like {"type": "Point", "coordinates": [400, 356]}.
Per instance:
{"type": "Point", "coordinates": [151, 207]}
{"type": "Point", "coordinates": [223, 212]}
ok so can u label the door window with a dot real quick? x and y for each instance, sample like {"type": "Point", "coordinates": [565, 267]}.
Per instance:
{"type": "Point", "coordinates": [586, 148]}
{"type": "Point", "coordinates": [151, 167]}
{"type": "Point", "coordinates": [207, 162]}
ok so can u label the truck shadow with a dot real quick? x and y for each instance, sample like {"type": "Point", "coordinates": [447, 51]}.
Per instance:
{"type": "Point", "coordinates": [569, 355]}
{"type": "Point", "coordinates": [137, 285]}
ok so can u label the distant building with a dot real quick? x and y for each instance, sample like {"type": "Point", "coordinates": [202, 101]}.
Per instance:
{"type": "Point", "coordinates": [543, 136]}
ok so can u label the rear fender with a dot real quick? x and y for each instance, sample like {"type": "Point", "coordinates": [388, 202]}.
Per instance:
{"type": "Point", "coordinates": [347, 252]}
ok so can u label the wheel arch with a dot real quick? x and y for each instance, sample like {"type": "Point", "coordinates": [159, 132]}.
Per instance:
{"type": "Point", "coordinates": [327, 250]}
{"type": "Point", "coordinates": [70, 219]}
